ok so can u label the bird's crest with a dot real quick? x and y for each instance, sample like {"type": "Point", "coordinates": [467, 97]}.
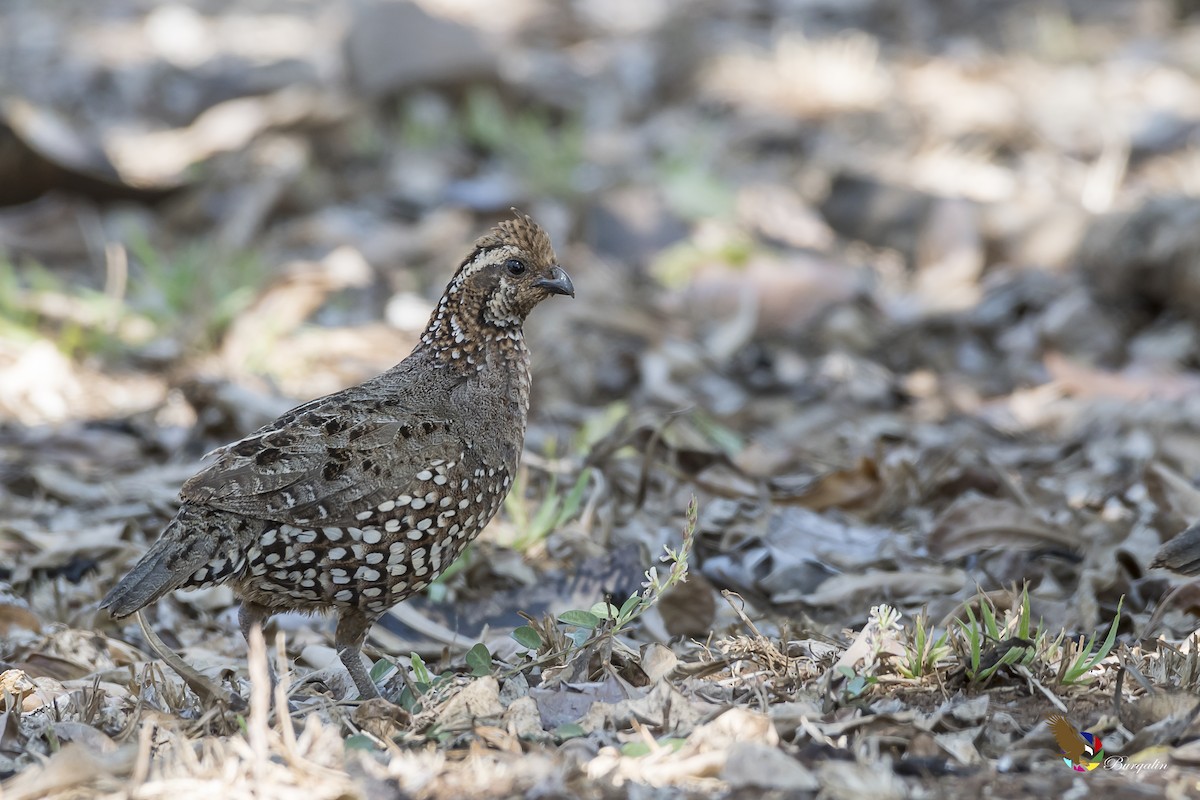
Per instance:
{"type": "Point", "coordinates": [521, 232]}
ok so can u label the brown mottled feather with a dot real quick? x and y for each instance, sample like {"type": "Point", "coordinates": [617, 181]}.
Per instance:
{"type": "Point", "coordinates": [354, 501]}
{"type": "Point", "coordinates": [522, 232]}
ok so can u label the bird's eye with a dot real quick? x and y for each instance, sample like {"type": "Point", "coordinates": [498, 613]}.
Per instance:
{"type": "Point", "coordinates": [515, 266]}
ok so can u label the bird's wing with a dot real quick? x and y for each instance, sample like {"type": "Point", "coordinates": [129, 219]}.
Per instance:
{"type": "Point", "coordinates": [324, 462]}
{"type": "Point", "coordinates": [1069, 740]}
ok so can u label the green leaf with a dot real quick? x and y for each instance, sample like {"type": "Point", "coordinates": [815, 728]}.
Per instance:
{"type": "Point", "coordinates": [629, 605]}
{"type": "Point", "coordinates": [1026, 617]}
{"type": "Point", "coordinates": [859, 684]}
{"type": "Point", "coordinates": [543, 520]}
{"type": "Point", "coordinates": [409, 701]}
{"type": "Point", "coordinates": [723, 437]}
{"type": "Point", "coordinates": [568, 731]}
{"type": "Point", "coordinates": [574, 500]}
{"type": "Point", "coordinates": [1011, 656]}
{"type": "Point", "coordinates": [380, 668]}
{"type": "Point", "coordinates": [479, 659]}
{"type": "Point", "coordinates": [579, 618]}
{"type": "Point", "coordinates": [420, 672]}
{"type": "Point", "coordinates": [1109, 640]}
{"type": "Point", "coordinates": [635, 749]}
{"type": "Point", "coordinates": [605, 610]}
{"type": "Point", "coordinates": [359, 741]}
{"type": "Point", "coordinates": [527, 637]}
{"type": "Point", "coordinates": [989, 620]}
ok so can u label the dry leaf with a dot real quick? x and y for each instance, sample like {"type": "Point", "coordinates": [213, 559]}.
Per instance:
{"type": "Point", "coordinates": [975, 523]}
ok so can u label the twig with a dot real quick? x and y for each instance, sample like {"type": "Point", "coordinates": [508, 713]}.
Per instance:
{"type": "Point", "coordinates": [260, 701]}
{"type": "Point", "coordinates": [202, 686]}
{"type": "Point", "coordinates": [728, 595]}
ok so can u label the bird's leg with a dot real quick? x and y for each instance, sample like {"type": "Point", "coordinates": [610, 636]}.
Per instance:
{"type": "Point", "coordinates": [351, 631]}
{"type": "Point", "coordinates": [249, 615]}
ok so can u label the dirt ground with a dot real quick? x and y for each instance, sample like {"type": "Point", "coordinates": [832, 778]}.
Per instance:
{"type": "Point", "coordinates": [868, 445]}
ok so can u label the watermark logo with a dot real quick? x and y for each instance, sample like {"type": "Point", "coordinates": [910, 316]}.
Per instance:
{"type": "Point", "coordinates": [1081, 751]}
{"type": "Point", "coordinates": [1122, 764]}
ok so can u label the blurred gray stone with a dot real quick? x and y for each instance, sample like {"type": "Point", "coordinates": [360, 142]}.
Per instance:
{"type": "Point", "coordinates": [633, 224]}
{"type": "Point", "coordinates": [1145, 261]}
{"type": "Point", "coordinates": [393, 45]}
{"type": "Point", "coordinates": [880, 214]}
{"type": "Point", "coordinates": [1167, 343]}
{"type": "Point", "coordinates": [1074, 324]}
{"type": "Point", "coordinates": [1161, 132]}
{"type": "Point", "coordinates": [753, 765]}
{"type": "Point", "coordinates": [494, 191]}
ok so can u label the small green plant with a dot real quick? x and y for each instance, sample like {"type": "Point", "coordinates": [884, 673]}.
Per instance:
{"type": "Point", "coordinates": [583, 627]}
{"type": "Point", "coordinates": [675, 265]}
{"type": "Point", "coordinates": [554, 511]}
{"type": "Point", "coordinates": [195, 291]}
{"type": "Point", "coordinates": [545, 154]}
{"type": "Point", "coordinates": [655, 586]}
{"type": "Point", "coordinates": [923, 652]}
{"type": "Point", "coordinates": [1077, 659]}
{"type": "Point", "coordinates": [479, 660]}
{"type": "Point", "coordinates": [690, 182]}
{"type": "Point", "coordinates": [1009, 651]}
{"type": "Point", "coordinates": [856, 683]}
{"type": "Point", "coordinates": [985, 645]}
{"type": "Point", "coordinates": [637, 749]}
{"type": "Point", "coordinates": [875, 646]}
{"type": "Point", "coordinates": [989, 647]}
{"type": "Point", "coordinates": [380, 669]}
{"type": "Point", "coordinates": [420, 671]}
{"type": "Point", "coordinates": [35, 303]}
{"type": "Point", "coordinates": [527, 637]}
{"type": "Point", "coordinates": [423, 682]}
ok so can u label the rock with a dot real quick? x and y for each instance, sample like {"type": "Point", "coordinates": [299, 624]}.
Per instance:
{"type": "Point", "coordinates": [479, 702]}
{"type": "Point", "coordinates": [393, 45]}
{"type": "Point", "coordinates": [1074, 324]}
{"type": "Point", "coordinates": [1146, 261]}
{"type": "Point", "coordinates": [41, 152]}
{"type": "Point", "coordinates": [633, 225]}
{"type": "Point", "coordinates": [1161, 132]}
{"type": "Point", "coordinates": [762, 767]}
{"type": "Point", "coordinates": [949, 257]}
{"type": "Point", "coordinates": [877, 213]}
{"type": "Point", "coordinates": [1041, 234]}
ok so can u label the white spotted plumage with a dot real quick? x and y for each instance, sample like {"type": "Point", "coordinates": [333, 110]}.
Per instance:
{"type": "Point", "coordinates": [357, 500]}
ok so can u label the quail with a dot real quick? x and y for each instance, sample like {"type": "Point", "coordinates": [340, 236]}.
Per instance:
{"type": "Point", "coordinates": [352, 502]}
{"type": "Point", "coordinates": [1181, 554]}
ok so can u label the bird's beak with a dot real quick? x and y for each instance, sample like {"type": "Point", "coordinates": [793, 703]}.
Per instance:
{"type": "Point", "coordinates": [557, 282]}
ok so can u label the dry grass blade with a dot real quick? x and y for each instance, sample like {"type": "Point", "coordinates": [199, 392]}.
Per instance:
{"type": "Point", "coordinates": [202, 686]}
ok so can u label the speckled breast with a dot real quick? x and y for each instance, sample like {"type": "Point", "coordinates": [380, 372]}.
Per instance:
{"type": "Point", "coordinates": [396, 548]}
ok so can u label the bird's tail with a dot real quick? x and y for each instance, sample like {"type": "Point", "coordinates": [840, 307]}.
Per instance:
{"type": "Point", "coordinates": [185, 546]}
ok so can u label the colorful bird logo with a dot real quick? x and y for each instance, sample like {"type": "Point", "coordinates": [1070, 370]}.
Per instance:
{"type": "Point", "coordinates": [1082, 752]}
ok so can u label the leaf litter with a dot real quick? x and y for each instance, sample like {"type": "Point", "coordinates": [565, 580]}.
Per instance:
{"type": "Point", "coordinates": [858, 457]}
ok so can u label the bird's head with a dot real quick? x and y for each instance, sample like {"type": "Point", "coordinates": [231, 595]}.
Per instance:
{"type": "Point", "coordinates": [511, 269]}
